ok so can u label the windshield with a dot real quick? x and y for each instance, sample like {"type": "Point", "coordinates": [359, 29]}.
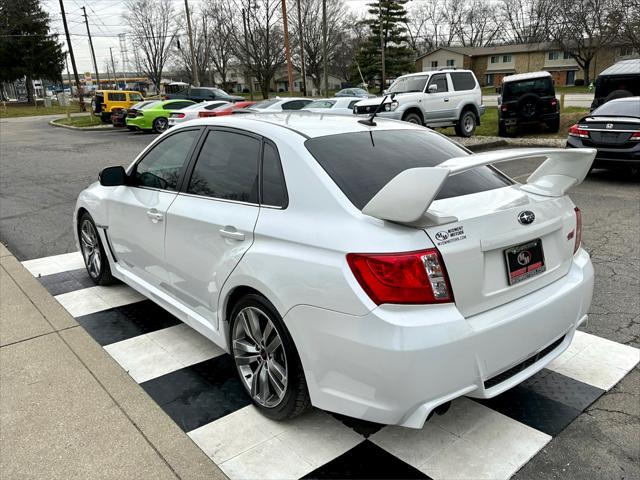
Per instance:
{"type": "Point", "coordinates": [539, 86]}
{"type": "Point", "coordinates": [321, 104]}
{"type": "Point", "coordinates": [264, 104]}
{"type": "Point", "coordinates": [626, 108]}
{"type": "Point", "coordinates": [361, 163]}
{"type": "Point", "coordinates": [409, 84]}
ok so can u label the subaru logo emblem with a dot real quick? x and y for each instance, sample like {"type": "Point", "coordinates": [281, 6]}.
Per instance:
{"type": "Point", "coordinates": [526, 217]}
{"type": "Point", "coordinates": [609, 125]}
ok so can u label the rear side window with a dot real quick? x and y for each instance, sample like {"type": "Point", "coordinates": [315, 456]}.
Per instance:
{"type": "Point", "coordinates": [274, 192]}
{"type": "Point", "coordinates": [176, 105]}
{"type": "Point", "coordinates": [463, 81]}
{"type": "Point", "coordinates": [117, 97]}
{"type": "Point", "coordinates": [362, 163]}
{"type": "Point", "coordinates": [227, 167]}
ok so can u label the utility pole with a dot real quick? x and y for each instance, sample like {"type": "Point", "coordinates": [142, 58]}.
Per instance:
{"type": "Point", "coordinates": [66, 62]}
{"type": "Point", "coordinates": [194, 67]}
{"type": "Point", "coordinates": [287, 52]}
{"type": "Point", "coordinates": [301, 39]}
{"type": "Point", "coordinates": [207, 53]}
{"type": "Point", "coordinates": [73, 60]}
{"type": "Point", "coordinates": [93, 54]}
{"type": "Point", "coordinates": [245, 23]}
{"type": "Point", "coordinates": [124, 54]}
{"type": "Point", "coordinates": [324, 48]}
{"type": "Point", "coordinates": [383, 80]}
{"type": "Point", "coordinates": [113, 67]}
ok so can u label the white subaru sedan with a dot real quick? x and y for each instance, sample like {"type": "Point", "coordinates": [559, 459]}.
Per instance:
{"type": "Point", "coordinates": [377, 270]}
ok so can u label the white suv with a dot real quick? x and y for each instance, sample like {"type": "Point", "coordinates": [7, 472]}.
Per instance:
{"type": "Point", "coordinates": [443, 98]}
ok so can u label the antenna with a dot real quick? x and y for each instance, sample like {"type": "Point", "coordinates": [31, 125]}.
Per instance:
{"type": "Point", "coordinates": [369, 121]}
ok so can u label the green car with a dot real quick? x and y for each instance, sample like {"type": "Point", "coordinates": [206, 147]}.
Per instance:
{"type": "Point", "coordinates": [154, 117]}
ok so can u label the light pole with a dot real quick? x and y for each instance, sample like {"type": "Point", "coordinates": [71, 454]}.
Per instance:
{"type": "Point", "coordinates": [382, 61]}
{"type": "Point", "coordinates": [324, 48]}
{"type": "Point", "coordinates": [287, 51]}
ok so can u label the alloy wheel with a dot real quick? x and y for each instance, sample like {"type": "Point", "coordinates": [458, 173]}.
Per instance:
{"type": "Point", "coordinates": [91, 248]}
{"type": "Point", "coordinates": [161, 124]}
{"type": "Point", "coordinates": [260, 357]}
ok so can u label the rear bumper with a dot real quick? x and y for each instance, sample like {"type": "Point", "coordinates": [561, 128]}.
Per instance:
{"type": "Point", "coordinates": [138, 122]}
{"type": "Point", "coordinates": [609, 156]}
{"type": "Point", "coordinates": [397, 363]}
{"type": "Point", "coordinates": [547, 117]}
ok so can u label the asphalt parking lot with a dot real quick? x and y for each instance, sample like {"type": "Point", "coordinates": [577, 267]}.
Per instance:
{"type": "Point", "coordinates": [42, 170]}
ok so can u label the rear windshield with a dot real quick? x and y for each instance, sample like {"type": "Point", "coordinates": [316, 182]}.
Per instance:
{"type": "Point", "coordinates": [361, 163]}
{"type": "Point", "coordinates": [538, 86]}
{"type": "Point", "coordinates": [606, 85]}
{"type": "Point", "coordinates": [626, 108]}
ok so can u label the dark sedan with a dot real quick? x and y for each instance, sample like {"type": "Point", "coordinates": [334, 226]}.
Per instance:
{"type": "Point", "coordinates": [614, 130]}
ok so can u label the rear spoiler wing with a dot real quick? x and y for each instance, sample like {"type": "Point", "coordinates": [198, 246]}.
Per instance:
{"type": "Point", "coordinates": [407, 197]}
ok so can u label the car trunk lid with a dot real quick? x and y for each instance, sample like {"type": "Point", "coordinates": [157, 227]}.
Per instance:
{"type": "Point", "coordinates": [474, 248]}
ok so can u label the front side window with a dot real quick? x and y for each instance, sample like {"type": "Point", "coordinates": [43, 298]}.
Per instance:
{"type": "Point", "coordinates": [361, 163]}
{"type": "Point", "coordinates": [440, 80]}
{"type": "Point", "coordinates": [274, 192]}
{"type": "Point", "coordinates": [117, 97]}
{"type": "Point", "coordinates": [135, 97]}
{"type": "Point", "coordinates": [162, 166]}
{"type": "Point", "coordinates": [176, 105]}
{"type": "Point", "coordinates": [295, 105]}
{"type": "Point", "coordinates": [227, 167]}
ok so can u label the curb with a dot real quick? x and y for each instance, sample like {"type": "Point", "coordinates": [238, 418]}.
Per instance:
{"type": "Point", "coordinates": [71, 127]}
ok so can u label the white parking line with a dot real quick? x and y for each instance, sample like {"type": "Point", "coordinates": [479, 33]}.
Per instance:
{"type": "Point", "coordinates": [55, 264]}
{"type": "Point", "coordinates": [95, 299]}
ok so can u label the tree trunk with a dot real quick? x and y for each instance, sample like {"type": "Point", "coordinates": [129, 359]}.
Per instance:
{"type": "Point", "coordinates": [265, 88]}
{"type": "Point", "coordinates": [28, 83]}
{"type": "Point", "coordinates": [585, 70]}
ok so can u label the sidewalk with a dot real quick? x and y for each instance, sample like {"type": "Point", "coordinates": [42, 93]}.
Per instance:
{"type": "Point", "coordinates": [67, 410]}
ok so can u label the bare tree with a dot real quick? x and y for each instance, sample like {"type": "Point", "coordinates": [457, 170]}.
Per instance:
{"type": "Point", "coordinates": [474, 23]}
{"type": "Point", "coordinates": [311, 12]}
{"type": "Point", "coordinates": [630, 23]}
{"type": "Point", "coordinates": [259, 43]}
{"type": "Point", "coordinates": [153, 29]}
{"type": "Point", "coordinates": [181, 51]}
{"type": "Point", "coordinates": [220, 40]}
{"type": "Point", "coordinates": [527, 21]}
{"type": "Point", "coordinates": [419, 26]}
{"type": "Point", "coordinates": [582, 27]}
{"type": "Point", "coordinates": [351, 38]}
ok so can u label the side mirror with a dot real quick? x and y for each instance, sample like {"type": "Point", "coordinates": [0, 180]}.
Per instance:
{"type": "Point", "coordinates": [113, 176]}
{"type": "Point", "coordinates": [385, 91]}
{"type": "Point", "coordinates": [432, 88]}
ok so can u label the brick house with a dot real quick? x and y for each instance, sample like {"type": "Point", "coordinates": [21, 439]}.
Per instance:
{"type": "Point", "coordinates": [491, 64]}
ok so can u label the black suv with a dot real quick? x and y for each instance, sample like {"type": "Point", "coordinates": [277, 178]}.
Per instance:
{"type": "Point", "coordinates": [620, 80]}
{"type": "Point", "coordinates": [203, 94]}
{"type": "Point", "coordinates": [526, 99]}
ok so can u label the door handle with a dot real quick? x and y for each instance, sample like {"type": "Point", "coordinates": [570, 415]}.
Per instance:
{"type": "Point", "coordinates": [446, 99]}
{"type": "Point", "coordinates": [232, 233]}
{"type": "Point", "coordinates": [154, 215]}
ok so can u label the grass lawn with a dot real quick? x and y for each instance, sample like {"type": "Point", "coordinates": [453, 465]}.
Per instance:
{"type": "Point", "coordinates": [22, 110]}
{"type": "Point", "coordinates": [81, 121]}
{"type": "Point", "coordinates": [489, 124]}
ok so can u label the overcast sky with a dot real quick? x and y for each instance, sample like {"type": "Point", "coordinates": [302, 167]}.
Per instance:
{"type": "Point", "coordinates": [106, 22]}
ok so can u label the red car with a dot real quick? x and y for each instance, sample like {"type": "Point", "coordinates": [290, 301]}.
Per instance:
{"type": "Point", "coordinates": [225, 109]}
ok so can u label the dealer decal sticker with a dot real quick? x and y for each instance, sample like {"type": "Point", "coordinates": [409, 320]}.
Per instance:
{"type": "Point", "coordinates": [451, 235]}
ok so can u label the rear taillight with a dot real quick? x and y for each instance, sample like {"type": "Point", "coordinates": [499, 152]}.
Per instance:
{"type": "Point", "coordinates": [578, 240]}
{"type": "Point", "coordinates": [635, 137]}
{"type": "Point", "coordinates": [405, 278]}
{"type": "Point", "coordinates": [177, 115]}
{"type": "Point", "coordinates": [504, 108]}
{"type": "Point", "coordinates": [576, 131]}
{"type": "Point", "coordinates": [553, 102]}
{"type": "Point", "coordinates": [207, 114]}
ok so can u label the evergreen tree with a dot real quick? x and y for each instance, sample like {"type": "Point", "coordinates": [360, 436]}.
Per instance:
{"type": "Point", "coordinates": [391, 16]}
{"type": "Point", "coordinates": [27, 49]}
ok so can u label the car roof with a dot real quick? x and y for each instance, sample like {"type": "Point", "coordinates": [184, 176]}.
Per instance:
{"type": "Point", "coordinates": [307, 124]}
{"type": "Point", "coordinates": [623, 67]}
{"type": "Point", "coordinates": [118, 91]}
{"type": "Point", "coordinates": [430, 72]}
{"type": "Point", "coordinates": [525, 76]}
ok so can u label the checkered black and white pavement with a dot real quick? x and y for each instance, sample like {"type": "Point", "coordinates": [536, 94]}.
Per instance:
{"type": "Point", "coordinates": [195, 383]}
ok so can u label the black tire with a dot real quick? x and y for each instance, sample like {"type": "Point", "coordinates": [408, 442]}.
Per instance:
{"type": "Point", "coordinates": [618, 94]}
{"type": "Point", "coordinates": [413, 118]}
{"type": "Point", "coordinates": [502, 130]}
{"type": "Point", "coordinates": [131, 128]}
{"type": "Point", "coordinates": [102, 274]}
{"type": "Point", "coordinates": [466, 125]}
{"type": "Point", "coordinates": [105, 117]}
{"type": "Point", "coordinates": [554, 125]}
{"type": "Point", "coordinates": [529, 106]}
{"type": "Point", "coordinates": [295, 400]}
{"type": "Point", "coordinates": [160, 125]}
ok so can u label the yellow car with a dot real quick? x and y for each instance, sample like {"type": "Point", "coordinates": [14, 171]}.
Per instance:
{"type": "Point", "coordinates": [106, 101]}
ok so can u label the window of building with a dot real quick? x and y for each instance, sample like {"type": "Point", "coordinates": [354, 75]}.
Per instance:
{"type": "Point", "coordinates": [495, 59]}
{"type": "Point", "coordinates": [626, 51]}
{"type": "Point", "coordinates": [434, 64]}
{"type": "Point", "coordinates": [451, 63]}
{"type": "Point", "coordinates": [566, 55]}
{"type": "Point", "coordinates": [554, 55]}
{"type": "Point", "coordinates": [506, 58]}
{"type": "Point", "coordinates": [489, 79]}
